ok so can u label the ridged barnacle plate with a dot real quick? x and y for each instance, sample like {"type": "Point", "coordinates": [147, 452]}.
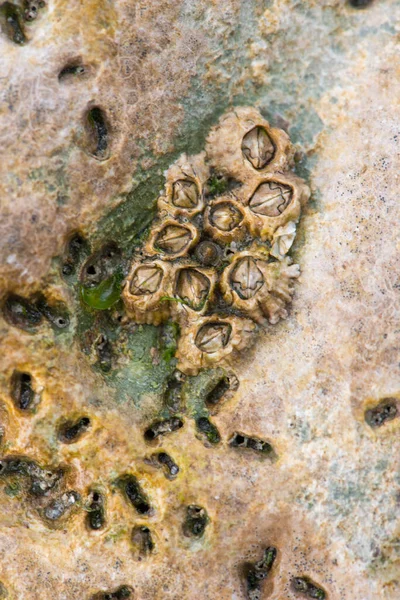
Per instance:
{"type": "Point", "coordinates": [172, 239]}
{"type": "Point", "coordinates": [146, 289]}
{"type": "Point", "coordinates": [243, 146]}
{"type": "Point", "coordinates": [274, 201]}
{"type": "Point", "coordinates": [211, 340]}
{"type": "Point", "coordinates": [225, 219]}
{"type": "Point", "coordinates": [193, 288]}
{"type": "Point", "coordinates": [185, 181]}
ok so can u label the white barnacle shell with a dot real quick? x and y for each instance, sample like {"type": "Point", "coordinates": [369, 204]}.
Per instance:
{"type": "Point", "coordinates": [283, 239]}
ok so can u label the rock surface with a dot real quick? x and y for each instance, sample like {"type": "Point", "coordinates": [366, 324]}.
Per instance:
{"type": "Point", "coordinates": [161, 74]}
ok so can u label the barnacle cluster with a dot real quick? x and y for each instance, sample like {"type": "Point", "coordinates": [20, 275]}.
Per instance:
{"type": "Point", "coordinates": [215, 260]}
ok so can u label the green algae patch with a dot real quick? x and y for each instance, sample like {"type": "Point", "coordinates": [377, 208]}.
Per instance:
{"type": "Point", "coordinates": [104, 295]}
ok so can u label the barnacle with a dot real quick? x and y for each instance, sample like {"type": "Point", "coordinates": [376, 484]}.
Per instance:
{"type": "Point", "coordinates": [257, 287]}
{"type": "Point", "coordinates": [272, 202]}
{"type": "Point", "coordinates": [201, 262]}
{"type": "Point", "coordinates": [243, 146]}
{"type": "Point", "coordinates": [225, 220]}
{"type": "Point", "coordinates": [184, 189]}
{"type": "Point", "coordinates": [146, 291]}
{"type": "Point", "coordinates": [171, 239]}
{"type": "Point", "coordinates": [210, 340]}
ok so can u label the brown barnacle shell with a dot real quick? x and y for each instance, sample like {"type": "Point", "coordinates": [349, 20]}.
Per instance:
{"type": "Point", "coordinates": [258, 288]}
{"type": "Point", "coordinates": [212, 340]}
{"type": "Point", "coordinates": [225, 219]}
{"type": "Point", "coordinates": [192, 290]}
{"type": "Point", "coordinates": [147, 290]}
{"type": "Point", "coordinates": [273, 202]}
{"type": "Point", "coordinates": [185, 180]}
{"type": "Point", "coordinates": [243, 145]}
{"type": "Point", "coordinates": [171, 239]}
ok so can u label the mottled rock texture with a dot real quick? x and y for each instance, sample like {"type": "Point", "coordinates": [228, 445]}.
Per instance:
{"type": "Point", "coordinates": [96, 104]}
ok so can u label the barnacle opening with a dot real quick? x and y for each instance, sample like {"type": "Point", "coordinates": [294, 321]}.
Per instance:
{"type": "Point", "coordinates": [246, 278]}
{"type": "Point", "coordinates": [213, 336]}
{"type": "Point", "coordinates": [271, 198]}
{"type": "Point", "coordinates": [258, 147]}
{"type": "Point", "coordinates": [192, 287]}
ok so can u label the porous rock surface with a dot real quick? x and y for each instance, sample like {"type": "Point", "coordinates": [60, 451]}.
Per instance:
{"type": "Point", "coordinates": [163, 73]}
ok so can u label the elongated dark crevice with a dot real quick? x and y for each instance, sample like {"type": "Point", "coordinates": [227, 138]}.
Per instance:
{"type": "Point", "coordinates": [124, 591]}
{"type": "Point", "coordinates": [241, 440]}
{"type": "Point", "coordinates": [72, 430]}
{"type": "Point", "coordinates": [208, 430]}
{"type": "Point", "coordinates": [72, 70]}
{"type": "Point", "coordinates": [255, 573]}
{"type": "Point", "coordinates": [142, 541]}
{"type": "Point", "coordinates": [360, 3]}
{"type": "Point", "coordinates": [170, 467]}
{"type": "Point", "coordinates": [104, 353]}
{"type": "Point", "coordinates": [134, 494]}
{"type": "Point", "coordinates": [21, 313]}
{"type": "Point", "coordinates": [98, 133]}
{"type": "Point", "coordinates": [76, 249]}
{"type": "Point", "coordinates": [160, 428]}
{"type": "Point", "coordinates": [13, 23]}
{"type": "Point", "coordinates": [22, 392]}
{"type": "Point", "coordinates": [56, 314]}
{"type": "Point", "coordinates": [172, 398]}
{"type": "Point", "coordinates": [303, 586]}
{"type": "Point", "coordinates": [386, 410]}
{"type": "Point", "coordinates": [226, 384]}
{"type": "Point", "coordinates": [96, 512]}
{"type": "Point", "coordinates": [196, 521]}
{"type": "Point", "coordinates": [41, 479]}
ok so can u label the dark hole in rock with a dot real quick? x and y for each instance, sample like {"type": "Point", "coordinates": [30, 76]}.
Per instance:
{"type": "Point", "coordinates": [21, 313]}
{"type": "Point", "coordinates": [12, 23]}
{"type": "Point", "coordinates": [259, 446]}
{"type": "Point", "coordinates": [255, 573]}
{"type": "Point", "coordinates": [134, 494]}
{"type": "Point", "coordinates": [208, 429]}
{"type": "Point", "coordinates": [98, 135]}
{"type": "Point", "coordinates": [385, 411]}
{"type": "Point", "coordinates": [162, 428]}
{"type": "Point", "coordinates": [71, 431]}
{"type": "Point", "coordinates": [55, 314]}
{"type": "Point", "coordinates": [171, 469]}
{"type": "Point", "coordinates": [196, 521]}
{"type": "Point", "coordinates": [124, 591]}
{"type": "Point", "coordinates": [95, 518]}
{"type": "Point", "coordinates": [305, 587]}
{"type": "Point", "coordinates": [142, 540]}
{"type": "Point", "coordinates": [22, 391]}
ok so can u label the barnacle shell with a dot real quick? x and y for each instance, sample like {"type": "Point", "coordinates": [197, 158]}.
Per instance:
{"type": "Point", "coordinates": [184, 186]}
{"type": "Point", "coordinates": [171, 239]}
{"type": "Point", "coordinates": [225, 219]}
{"type": "Point", "coordinates": [283, 239]}
{"type": "Point", "coordinates": [273, 202]}
{"type": "Point", "coordinates": [211, 340]}
{"type": "Point", "coordinates": [258, 288]}
{"type": "Point", "coordinates": [243, 146]}
{"type": "Point", "coordinates": [146, 291]}
{"type": "Point", "coordinates": [193, 289]}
